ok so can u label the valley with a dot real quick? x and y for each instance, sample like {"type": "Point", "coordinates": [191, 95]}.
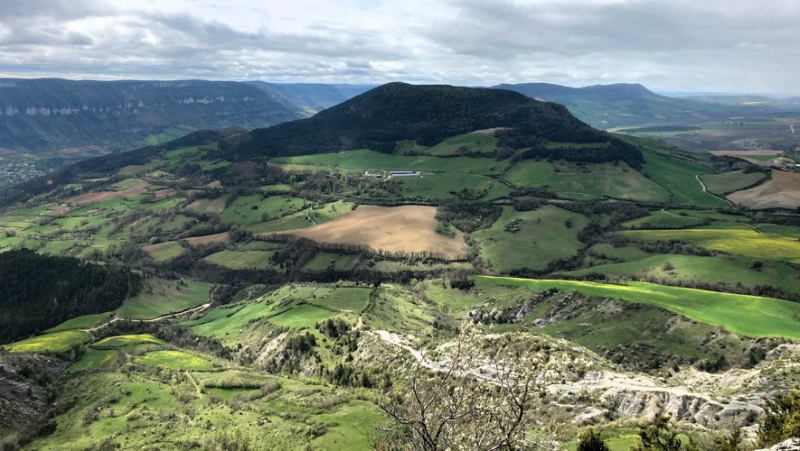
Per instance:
{"type": "Point", "coordinates": [281, 288]}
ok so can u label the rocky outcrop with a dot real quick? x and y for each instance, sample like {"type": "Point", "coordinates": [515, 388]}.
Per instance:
{"type": "Point", "coordinates": [793, 444]}
{"type": "Point", "coordinates": [629, 396]}
{"type": "Point", "coordinates": [24, 381]}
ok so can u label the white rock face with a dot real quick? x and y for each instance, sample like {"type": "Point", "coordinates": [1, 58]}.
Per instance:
{"type": "Point", "coordinates": [793, 444]}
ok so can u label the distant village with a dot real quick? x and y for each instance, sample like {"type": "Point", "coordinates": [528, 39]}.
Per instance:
{"type": "Point", "coordinates": [16, 172]}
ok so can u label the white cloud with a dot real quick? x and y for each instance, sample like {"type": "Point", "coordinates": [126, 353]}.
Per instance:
{"type": "Point", "coordinates": [743, 46]}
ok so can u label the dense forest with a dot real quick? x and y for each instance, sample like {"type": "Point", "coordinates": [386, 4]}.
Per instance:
{"type": "Point", "coordinates": [39, 292]}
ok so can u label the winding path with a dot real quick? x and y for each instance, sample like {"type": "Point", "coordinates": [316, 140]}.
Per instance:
{"type": "Point", "coordinates": [115, 319]}
{"type": "Point", "coordinates": [150, 320]}
{"type": "Point", "coordinates": [705, 190]}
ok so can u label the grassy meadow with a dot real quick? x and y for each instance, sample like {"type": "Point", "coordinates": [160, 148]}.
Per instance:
{"type": "Point", "coordinates": [747, 315]}
{"type": "Point", "coordinates": [530, 239]}
{"type": "Point", "coordinates": [162, 297]}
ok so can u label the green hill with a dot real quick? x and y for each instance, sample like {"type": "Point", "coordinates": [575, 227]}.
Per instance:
{"type": "Point", "coordinates": [427, 115]}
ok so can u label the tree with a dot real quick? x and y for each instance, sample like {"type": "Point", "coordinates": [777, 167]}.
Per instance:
{"type": "Point", "coordinates": [781, 418]}
{"type": "Point", "coordinates": [660, 435]}
{"type": "Point", "coordinates": [591, 441]}
{"type": "Point", "coordinates": [451, 408]}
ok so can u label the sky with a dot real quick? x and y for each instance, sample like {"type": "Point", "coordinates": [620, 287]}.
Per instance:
{"type": "Point", "coordinates": [668, 45]}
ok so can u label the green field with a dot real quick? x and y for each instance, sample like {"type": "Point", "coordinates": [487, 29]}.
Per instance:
{"type": "Point", "coordinates": [588, 181]}
{"type": "Point", "coordinates": [444, 185]}
{"type": "Point", "coordinates": [293, 221]}
{"type": "Point", "coordinates": [241, 259]}
{"type": "Point", "coordinates": [299, 220]}
{"type": "Point", "coordinates": [363, 160]}
{"type": "Point", "coordinates": [54, 342]}
{"type": "Point", "coordinates": [736, 241]}
{"type": "Point", "coordinates": [729, 182]}
{"type": "Point", "coordinates": [664, 219]}
{"type": "Point", "coordinates": [162, 297]}
{"type": "Point", "coordinates": [779, 231]}
{"type": "Point", "coordinates": [543, 236]}
{"type": "Point", "coordinates": [323, 260]}
{"type": "Point", "coordinates": [301, 316]}
{"type": "Point", "coordinates": [678, 176]}
{"type": "Point", "coordinates": [150, 411]}
{"type": "Point", "coordinates": [227, 322]}
{"type": "Point", "coordinates": [175, 360]}
{"type": "Point", "coordinates": [214, 206]}
{"type": "Point", "coordinates": [345, 299]}
{"type": "Point", "coordinates": [94, 358]}
{"type": "Point", "coordinates": [330, 211]}
{"type": "Point", "coordinates": [471, 142]}
{"type": "Point", "coordinates": [249, 210]}
{"type": "Point", "coordinates": [747, 315]}
{"type": "Point", "coordinates": [82, 322]}
{"type": "Point", "coordinates": [728, 270]}
{"type": "Point", "coordinates": [167, 252]}
{"type": "Point", "coordinates": [624, 253]}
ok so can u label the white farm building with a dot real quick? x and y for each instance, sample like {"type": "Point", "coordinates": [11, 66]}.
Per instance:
{"type": "Point", "coordinates": [404, 173]}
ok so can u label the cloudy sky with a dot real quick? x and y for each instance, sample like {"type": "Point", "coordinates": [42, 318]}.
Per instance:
{"type": "Point", "coordinates": [668, 45]}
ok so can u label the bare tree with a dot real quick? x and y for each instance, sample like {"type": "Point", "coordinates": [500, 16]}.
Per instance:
{"type": "Point", "coordinates": [469, 399]}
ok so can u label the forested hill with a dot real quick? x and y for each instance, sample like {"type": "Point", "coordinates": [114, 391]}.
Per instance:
{"type": "Point", "coordinates": [38, 292]}
{"type": "Point", "coordinates": [381, 117]}
{"type": "Point", "coordinates": [50, 114]}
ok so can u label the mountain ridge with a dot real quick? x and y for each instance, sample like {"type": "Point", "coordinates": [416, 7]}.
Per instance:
{"type": "Point", "coordinates": [51, 114]}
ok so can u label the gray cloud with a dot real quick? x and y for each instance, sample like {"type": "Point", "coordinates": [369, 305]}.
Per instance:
{"type": "Point", "coordinates": [742, 46]}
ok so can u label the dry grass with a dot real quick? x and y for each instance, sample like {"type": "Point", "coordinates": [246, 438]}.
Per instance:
{"type": "Point", "coordinates": [406, 229]}
{"type": "Point", "coordinates": [214, 206]}
{"type": "Point", "coordinates": [102, 196]}
{"type": "Point", "coordinates": [783, 191]}
{"type": "Point", "coordinates": [164, 193]}
{"type": "Point", "coordinates": [208, 239]}
{"type": "Point", "coordinates": [745, 153]}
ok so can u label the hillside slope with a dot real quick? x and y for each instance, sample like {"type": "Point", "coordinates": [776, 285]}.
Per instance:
{"type": "Point", "coordinates": [427, 115]}
{"type": "Point", "coordinates": [50, 114]}
{"type": "Point", "coordinates": [305, 99]}
{"type": "Point", "coordinates": [606, 106]}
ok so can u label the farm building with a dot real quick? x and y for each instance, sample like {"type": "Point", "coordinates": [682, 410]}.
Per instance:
{"type": "Point", "coordinates": [404, 173]}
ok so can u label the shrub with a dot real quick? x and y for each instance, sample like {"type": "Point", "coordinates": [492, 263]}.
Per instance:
{"type": "Point", "coordinates": [781, 419]}
{"type": "Point", "coordinates": [591, 441]}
